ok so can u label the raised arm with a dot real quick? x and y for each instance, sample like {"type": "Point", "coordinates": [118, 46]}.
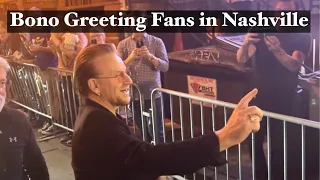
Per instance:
{"type": "Point", "coordinates": [247, 49]}
{"type": "Point", "coordinates": [292, 61]}
{"type": "Point", "coordinates": [123, 53]}
{"type": "Point", "coordinates": [184, 157]}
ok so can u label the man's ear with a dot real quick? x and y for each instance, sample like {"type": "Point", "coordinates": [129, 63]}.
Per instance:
{"type": "Point", "coordinates": [93, 86]}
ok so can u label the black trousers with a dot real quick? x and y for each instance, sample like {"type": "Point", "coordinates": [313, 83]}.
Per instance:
{"type": "Point", "coordinates": [282, 104]}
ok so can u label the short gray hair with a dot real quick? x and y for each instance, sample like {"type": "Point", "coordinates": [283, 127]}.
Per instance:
{"type": "Point", "coordinates": [4, 64]}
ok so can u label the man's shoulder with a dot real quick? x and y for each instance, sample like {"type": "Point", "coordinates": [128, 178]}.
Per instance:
{"type": "Point", "coordinates": [154, 38]}
{"type": "Point", "coordinates": [16, 116]}
{"type": "Point", "coordinates": [14, 112]}
{"type": "Point", "coordinates": [93, 116]}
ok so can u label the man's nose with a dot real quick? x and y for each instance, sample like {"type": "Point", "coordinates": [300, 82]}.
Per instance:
{"type": "Point", "coordinates": [128, 80]}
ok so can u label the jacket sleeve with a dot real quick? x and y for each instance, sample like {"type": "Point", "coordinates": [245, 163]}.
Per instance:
{"type": "Point", "coordinates": [33, 160]}
{"type": "Point", "coordinates": [185, 157]}
{"type": "Point", "coordinates": [163, 159]}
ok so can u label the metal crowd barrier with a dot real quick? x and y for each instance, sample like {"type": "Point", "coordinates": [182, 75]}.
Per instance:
{"type": "Point", "coordinates": [64, 101]}
{"type": "Point", "coordinates": [51, 94]}
{"type": "Point", "coordinates": [135, 112]}
{"type": "Point", "coordinates": [55, 98]}
{"type": "Point", "coordinates": [28, 89]}
{"type": "Point", "coordinates": [236, 168]}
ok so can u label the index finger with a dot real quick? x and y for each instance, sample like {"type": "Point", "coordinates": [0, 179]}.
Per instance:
{"type": "Point", "coordinates": [244, 102]}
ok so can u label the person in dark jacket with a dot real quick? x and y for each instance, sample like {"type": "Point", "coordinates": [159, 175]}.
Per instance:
{"type": "Point", "coordinates": [103, 147]}
{"type": "Point", "coordinates": [20, 156]}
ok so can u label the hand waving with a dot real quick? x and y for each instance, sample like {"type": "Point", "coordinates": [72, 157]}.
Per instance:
{"type": "Point", "coordinates": [244, 120]}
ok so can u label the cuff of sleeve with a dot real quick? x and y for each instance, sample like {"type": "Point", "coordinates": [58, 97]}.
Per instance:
{"type": "Point", "coordinates": [214, 147]}
{"type": "Point", "coordinates": [154, 57]}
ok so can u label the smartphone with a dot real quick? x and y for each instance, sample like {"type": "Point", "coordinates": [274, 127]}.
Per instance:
{"type": "Point", "coordinates": [94, 41]}
{"type": "Point", "coordinates": [139, 44]}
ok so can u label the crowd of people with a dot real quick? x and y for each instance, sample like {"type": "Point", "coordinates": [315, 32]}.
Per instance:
{"type": "Point", "coordinates": [103, 147]}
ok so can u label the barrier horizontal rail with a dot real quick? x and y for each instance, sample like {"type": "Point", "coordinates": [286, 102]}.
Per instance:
{"type": "Point", "coordinates": [290, 119]}
{"type": "Point", "coordinates": [181, 117]}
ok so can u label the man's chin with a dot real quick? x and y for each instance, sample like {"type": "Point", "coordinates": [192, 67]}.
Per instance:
{"type": "Point", "coordinates": [124, 102]}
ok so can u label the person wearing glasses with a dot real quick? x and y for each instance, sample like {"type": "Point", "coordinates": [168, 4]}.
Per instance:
{"type": "Point", "coordinates": [103, 147]}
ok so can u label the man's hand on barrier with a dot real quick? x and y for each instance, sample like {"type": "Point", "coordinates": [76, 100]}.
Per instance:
{"type": "Point", "coordinates": [244, 120]}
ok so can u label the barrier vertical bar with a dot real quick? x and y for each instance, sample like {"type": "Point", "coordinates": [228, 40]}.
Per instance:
{"type": "Point", "coordinates": [303, 153]}
{"type": "Point", "coordinates": [191, 127]}
{"type": "Point", "coordinates": [171, 111]}
{"type": "Point", "coordinates": [58, 86]}
{"type": "Point", "coordinates": [214, 129]}
{"type": "Point", "coordinates": [162, 120]}
{"type": "Point", "coordinates": [284, 150]}
{"type": "Point", "coordinates": [253, 157]}
{"type": "Point", "coordinates": [64, 119]}
{"type": "Point", "coordinates": [269, 149]}
{"type": "Point", "coordinates": [69, 104]}
{"type": "Point", "coordinates": [240, 161]}
{"type": "Point", "coordinates": [181, 118]}
{"type": "Point", "coordinates": [225, 123]}
{"type": "Point", "coordinates": [154, 119]}
{"type": "Point", "coordinates": [313, 54]}
{"type": "Point", "coordinates": [202, 132]}
{"type": "Point", "coordinates": [126, 112]}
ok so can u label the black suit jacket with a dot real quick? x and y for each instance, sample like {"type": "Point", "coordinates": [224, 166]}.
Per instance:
{"type": "Point", "coordinates": [104, 148]}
